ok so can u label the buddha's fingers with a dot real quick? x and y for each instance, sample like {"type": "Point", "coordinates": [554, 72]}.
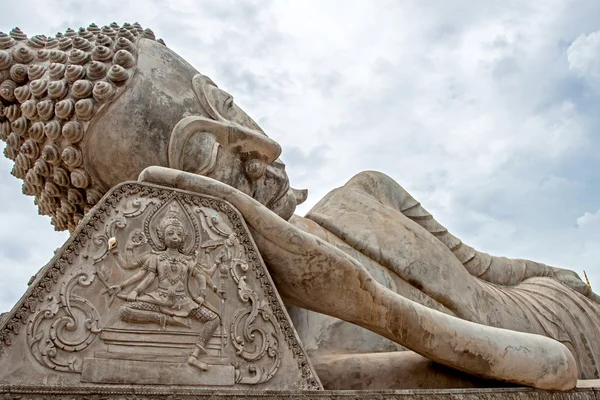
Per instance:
{"type": "Point", "coordinates": [315, 275]}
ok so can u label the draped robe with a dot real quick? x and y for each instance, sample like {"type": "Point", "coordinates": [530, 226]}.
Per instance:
{"type": "Point", "coordinates": [373, 219]}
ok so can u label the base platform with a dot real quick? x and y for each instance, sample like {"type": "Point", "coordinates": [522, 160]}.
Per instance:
{"type": "Point", "coordinates": [590, 391]}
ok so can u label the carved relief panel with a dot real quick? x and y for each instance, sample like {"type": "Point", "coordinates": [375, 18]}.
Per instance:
{"type": "Point", "coordinates": [158, 287]}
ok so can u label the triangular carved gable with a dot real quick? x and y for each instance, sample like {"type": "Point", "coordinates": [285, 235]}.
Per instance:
{"type": "Point", "coordinates": [205, 311]}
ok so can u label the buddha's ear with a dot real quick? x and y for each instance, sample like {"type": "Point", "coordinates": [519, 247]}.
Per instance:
{"type": "Point", "coordinates": [199, 155]}
{"type": "Point", "coordinates": [194, 145]}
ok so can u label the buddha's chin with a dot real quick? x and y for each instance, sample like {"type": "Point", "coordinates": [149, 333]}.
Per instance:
{"type": "Point", "coordinates": [285, 205]}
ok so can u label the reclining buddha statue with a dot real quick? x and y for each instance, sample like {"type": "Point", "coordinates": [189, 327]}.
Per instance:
{"type": "Point", "coordinates": [89, 109]}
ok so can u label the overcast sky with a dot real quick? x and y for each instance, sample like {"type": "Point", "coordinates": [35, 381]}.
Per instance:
{"type": "Point", "coordinates": [487, 112]}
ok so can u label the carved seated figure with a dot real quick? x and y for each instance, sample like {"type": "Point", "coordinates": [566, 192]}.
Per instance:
{"type": "Point", "coordinates": [368, 253]}
{"type": "Point", "coordinates": [171, 302]}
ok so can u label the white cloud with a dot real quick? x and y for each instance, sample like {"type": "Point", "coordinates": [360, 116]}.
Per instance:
{"type": "Point", "coordinates": [471, 106]}
{"type": "Point", "coordinates": [588, 219]}
{"type": "Point", "coordinates": [584, 54]}
{"type": "Point", "coordinates": [27, 240]}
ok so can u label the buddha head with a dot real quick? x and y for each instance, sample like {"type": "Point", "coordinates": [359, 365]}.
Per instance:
{"type": "Point", "coordinates": [89, 109]}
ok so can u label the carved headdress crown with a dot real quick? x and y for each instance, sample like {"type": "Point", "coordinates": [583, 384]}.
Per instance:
{"type": "Point", "coordinates": [172, 218]}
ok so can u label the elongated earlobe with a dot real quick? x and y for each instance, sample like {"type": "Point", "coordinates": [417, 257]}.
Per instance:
{"type": "Point", "coordinates": [200, 153]}
{"type": "Point", "coordinates": [193, 146]}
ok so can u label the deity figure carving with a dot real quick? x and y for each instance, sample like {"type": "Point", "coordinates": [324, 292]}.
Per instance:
{"type": "Point", "coordinates": [145, 316]}
{"type": "Point", "coordinates": [91, 109]}
{"type": "Point", "coordinates": [171, 303]}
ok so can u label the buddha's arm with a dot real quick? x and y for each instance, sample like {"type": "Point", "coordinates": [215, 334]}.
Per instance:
{"type": "Point", "coordinates": [383, 275]}
{"type": "Point", "coordinates": [500, 270]}
{"type": "Point", "coordinates": [315, 275]}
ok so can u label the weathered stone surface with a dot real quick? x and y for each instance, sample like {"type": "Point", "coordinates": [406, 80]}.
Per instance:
{"type": "Point", "coordinates": [155, 287]}
{"type": "Point", "coordinates": [326, 275]}
{"type": "Point", "coordinates": [370, 371]}
{"type": "Point", "coordinates": [93, 108]}
{"type": "Point", "coordinates": [376, 221]}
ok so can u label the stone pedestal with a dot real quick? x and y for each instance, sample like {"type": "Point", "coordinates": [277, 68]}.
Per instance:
{"type": "Point", "coordinates": [168, 393]}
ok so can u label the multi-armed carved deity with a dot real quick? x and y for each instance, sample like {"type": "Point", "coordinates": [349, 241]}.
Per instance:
{"type": "Point", "coordinates": [163, 288]}
{"type": "Point", "coordinates": [162, 283]}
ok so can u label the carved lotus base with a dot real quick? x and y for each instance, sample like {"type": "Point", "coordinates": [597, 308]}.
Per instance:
{"type": "Point", "coordinates": [146, 345]}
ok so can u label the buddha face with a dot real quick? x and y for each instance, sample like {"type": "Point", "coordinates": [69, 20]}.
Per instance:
{"type": "Point", "coordinates": [268, 183]}
{"type": "Point", "coordinates": [230, 147]}
{"type": "Point", "coordinates": [148, 124]}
